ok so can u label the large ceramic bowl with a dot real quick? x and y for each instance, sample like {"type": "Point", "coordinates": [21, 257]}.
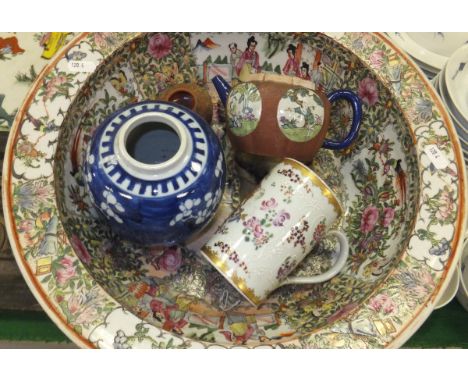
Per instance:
{"type": "Point", "coordinates": [402, 184]}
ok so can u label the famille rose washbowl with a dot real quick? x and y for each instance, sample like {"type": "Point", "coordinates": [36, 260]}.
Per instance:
{"type": "Point", "coordinates": [402, 185]}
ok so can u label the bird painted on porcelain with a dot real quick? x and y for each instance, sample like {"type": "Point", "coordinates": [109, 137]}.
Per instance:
{"type": "Point", "coordinates": [400, 182]}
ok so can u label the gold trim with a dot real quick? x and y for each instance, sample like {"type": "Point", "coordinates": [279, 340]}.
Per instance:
{"type": "Point", "coordinates": [317, 181]}
{"type": "Point", "coordinates": [235, 279]}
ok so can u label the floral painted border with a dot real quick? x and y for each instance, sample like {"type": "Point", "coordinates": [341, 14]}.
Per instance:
{"type": "Point", "coordinates": [419, 274]}
{"type": "Point", "coordinates": [421, 271]}
{"type": "Point", "coordinates": [47, 90]}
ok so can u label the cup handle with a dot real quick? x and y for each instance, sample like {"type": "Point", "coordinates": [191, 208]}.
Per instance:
{"type": "Point", "coordinates": [356, 105]}
{"type": "Point", "coordinates": [333, 271]}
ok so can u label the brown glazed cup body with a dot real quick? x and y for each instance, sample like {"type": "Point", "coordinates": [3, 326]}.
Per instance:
{"type": "Point", "coordinates": [192, 96]}
{"type": "Point", "coordinates": [279, 116]}
{"type": "Point", "coordinates": [263, 116]}
{"type": "Point", "coordinates": [267, 138]}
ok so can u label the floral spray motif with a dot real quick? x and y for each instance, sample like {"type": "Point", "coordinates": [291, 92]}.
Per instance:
{"type": "Point", "coordinates": [297, 234]}
{"type": "Point", "coordinates": [256, 228]}
{"type": "Point", "coordinates": [159, 45]}
{"type": "Point", "coordinates": [288, 265]}
{"type": "Point", "coordinates": [233, 255]}
{"type": "Point", "coordinates": [170, 260]}
{"type": "Point", "coordinates": [379, 206]}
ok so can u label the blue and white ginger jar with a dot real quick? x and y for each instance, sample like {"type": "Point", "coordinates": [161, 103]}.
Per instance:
{"type": "Point", "coordinates": [156, 172]}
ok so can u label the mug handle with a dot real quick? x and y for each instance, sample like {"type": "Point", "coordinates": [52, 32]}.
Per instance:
{"type": "Point", "coordinates": [356, 105]}
{"type": "Point", "coordinates": [333, 271]}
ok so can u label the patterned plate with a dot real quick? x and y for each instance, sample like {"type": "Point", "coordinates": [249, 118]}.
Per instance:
{"type": "Point", "coordinates": [402, 183]}
{"type": "Point", "coordinates": [20, 62]}
{"type": "Point", "coordinates": [432, 49]}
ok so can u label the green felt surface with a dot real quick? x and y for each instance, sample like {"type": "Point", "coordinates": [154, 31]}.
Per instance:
{"type": "Point", "coordinates": [29, 326]}
{"type": "Point", "coordinates": [445, 328]}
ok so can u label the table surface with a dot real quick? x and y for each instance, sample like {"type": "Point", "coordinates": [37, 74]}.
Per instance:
{"type": "Point", "coordinates": [24, 324]}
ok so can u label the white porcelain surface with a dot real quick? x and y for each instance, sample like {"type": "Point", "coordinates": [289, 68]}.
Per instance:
{"type": "Point", "coordinates": [435, 82]}
{"type": "Point", "coordinates": [428, 70]}
{"type": "Point", "coordinates": [462, 293]}
{"type": "Point", "coordinates": [272, 232]}
{"type": "Point", "coordinates": [431, 48]}
{"type": "Point", "coordinates": [451, 290]}
{"type": "Point", "coordinates": [441, 43]}
{"type": "Point", "coordinates": [18, 68]}
{"type": "Point", "coordinates": [448, 99]}
{"type": "Point", "coordinates": [456, 80]}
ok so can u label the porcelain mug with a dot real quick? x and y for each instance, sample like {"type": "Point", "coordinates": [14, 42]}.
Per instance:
{"type": "Point", "coordinates": [273, 231]}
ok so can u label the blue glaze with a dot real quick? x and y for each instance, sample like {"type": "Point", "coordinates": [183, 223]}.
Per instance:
{"type": "Point", "coordinates": [169, 208]}
{"type": "Point", "coordinates": [222, 88]}
{"type": "Point", "coordinates": [356, 106]}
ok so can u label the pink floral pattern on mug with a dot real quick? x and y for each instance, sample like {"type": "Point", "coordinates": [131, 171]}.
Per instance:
{"type": "Point", "coordinates": [269, 204]}
{"type": "Point", "coordinates": [255, 231]}
{"type": "Point", "coordinates": [297, 235]}
{"type": "Point", "coordinates": [319, 232]}
{"type": "Point", "coordinates": [233, 255]}
{"type": "Point", "coordinates": [256, 228]}
{"type": "Point", "coordinates": [285, 269]}
{"type": "Point", "coordinates": [282, 216]}
{"type": "Point", "coordinates": [274, 230]}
